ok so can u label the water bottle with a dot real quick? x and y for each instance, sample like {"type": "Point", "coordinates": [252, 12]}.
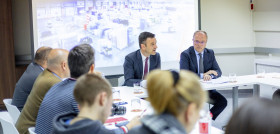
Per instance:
{"type": "Point", "coordinates": [205, 123]}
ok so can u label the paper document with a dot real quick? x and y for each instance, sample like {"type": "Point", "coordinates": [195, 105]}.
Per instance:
{"type": "Point", "coordinates": [220, 80]}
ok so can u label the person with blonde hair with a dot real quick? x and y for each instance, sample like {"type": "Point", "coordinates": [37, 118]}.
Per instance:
{"type": "Point", "coordinates": [177, 98]}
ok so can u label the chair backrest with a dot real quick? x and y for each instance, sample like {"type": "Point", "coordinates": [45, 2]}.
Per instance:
{"type": "Point", "coordinates": [31, 130]}
{"type": "Point", "coordinates": [13, 110]}
{"type": "Point", "coordinates": [8, 126]}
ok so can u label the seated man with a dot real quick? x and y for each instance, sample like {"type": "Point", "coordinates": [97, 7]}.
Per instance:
{"type": "Point", "coordinates": [57, 69]}
{"type": "Point", "coordinates": [60, 99]}
{"type": "Point", "coordinates": [137, 64]}
{"type": "Point", "coordinates": [202, 61]}
{"type": "Point", "coordinates": [94, 96]}
{"type": "Point", "coordinates": [26, 81]}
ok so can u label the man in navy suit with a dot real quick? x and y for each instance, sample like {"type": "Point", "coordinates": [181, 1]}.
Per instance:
{"type": "Point", "coordinates": [26, 81]}
{"type": "Point", "coordinates": [137, 64]}
{"type": "Point", "coordinates": [202, 61]}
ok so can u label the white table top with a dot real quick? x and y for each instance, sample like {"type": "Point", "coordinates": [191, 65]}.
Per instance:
{"type": "Point", "coordinates": [272, 79]}
{"type": "Point", "coordinates": [223, 82]}
{"type": "Point", "coordinates": [129, 92]}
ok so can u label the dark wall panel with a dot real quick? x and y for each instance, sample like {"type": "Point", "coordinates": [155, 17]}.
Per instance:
{"type": "Point", "coordinates": [7, 58]}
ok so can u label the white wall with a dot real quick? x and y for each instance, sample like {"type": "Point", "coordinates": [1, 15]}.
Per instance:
{"type": "Point", "coordinates": [241, 64]}
{"type": "Point", "coordinates": [227, 22]}
{"type": "Point", "coordinates": [266, 23]}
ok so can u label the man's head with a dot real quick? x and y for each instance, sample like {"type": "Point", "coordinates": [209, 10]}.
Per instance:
{"type": "Point", "coordinates": [199, 40]}
{"type": "Point", "coordinates": [81, 60]}
{"type": "Point", "coordinates": [57, 62]}
{"type": "Point", "coordinates": [41, 56]}
{"type": "Point", "coordinates": [147, 43]}
{"type": "Point", "coordinates": [92, 91]}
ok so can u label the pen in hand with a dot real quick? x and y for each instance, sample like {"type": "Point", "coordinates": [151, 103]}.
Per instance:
{"type": "Point", "coordinates": [143, 112]}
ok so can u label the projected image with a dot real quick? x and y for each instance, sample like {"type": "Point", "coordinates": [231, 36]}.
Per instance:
{"type": "Point", "coordinates": [112, 27]}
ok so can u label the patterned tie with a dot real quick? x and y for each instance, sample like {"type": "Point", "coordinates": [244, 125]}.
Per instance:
{"type": "Point", "coordinates": [146, 68]}
{"type": "Point", "coordinates": [201, 67]}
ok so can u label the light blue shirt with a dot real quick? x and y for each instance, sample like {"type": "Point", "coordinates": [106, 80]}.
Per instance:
{"type": "Point", "coordinates": [197, 58]}
{"type": "Point", "coordinates": [57, 76]}
{"type": "Point", "coordinates": [41, 68]}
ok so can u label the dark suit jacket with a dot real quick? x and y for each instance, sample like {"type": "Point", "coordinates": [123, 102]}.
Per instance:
{"type": "Point", "coordinates": [25, 84]}
{"type": "Point", "coordinates": [133, 67]}
{"type": "Point", "coordinates": [188, 61]}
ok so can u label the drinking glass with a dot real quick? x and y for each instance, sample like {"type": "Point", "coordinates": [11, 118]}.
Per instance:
{"type": "Point", "coordinates": [137, 88]}
{"type": "Point", "coordinates": [232, 77]}
{"type": "Point", "coordinates": [261, 73]}
{"type": "Point", "coordinates": [116, 94]}
{"type": "Point", "coordinates": [136, 105]}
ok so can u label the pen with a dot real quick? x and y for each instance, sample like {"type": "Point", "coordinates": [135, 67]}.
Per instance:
{"type": "Point", "coordinates": [143, 113]}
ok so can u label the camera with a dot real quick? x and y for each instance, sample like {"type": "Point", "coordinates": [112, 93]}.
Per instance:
{"type": "Point", "coordinates": [118, 110]}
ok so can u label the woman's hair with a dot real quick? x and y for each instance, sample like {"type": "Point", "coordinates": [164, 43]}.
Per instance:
{"type": "Point", "coordinates": [256, 116]}
{"type": "Point", "coordinates": [170, 91]}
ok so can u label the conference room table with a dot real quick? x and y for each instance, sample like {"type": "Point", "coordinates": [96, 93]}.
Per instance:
{"type": "Point", "coordinates": [270, 79]}
{"type": "Point", "coordinates": [127, 94]}
{"type": "Point", "coordinates": [223, 83]}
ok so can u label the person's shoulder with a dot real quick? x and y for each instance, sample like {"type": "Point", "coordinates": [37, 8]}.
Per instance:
{"type": "Point", "coordinates": [188, 51]}
{"type": "Point", "coordinates": [45, 80]}
{"type": "Point", "coordinates": [66, 84]}
{"type": "Point", "coordinates": [140, 130]}
{"type": "Point", "coordinates": [133, 54]}
{"type": "Point", "coordinates": [209, 50]}
{"type": "Point", "coordinates": [157, 55]}
{"type": "Point", "coordinates": [33, 69]}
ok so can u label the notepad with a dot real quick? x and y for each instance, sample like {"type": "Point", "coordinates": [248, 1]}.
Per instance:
{"type": "Point", "coordinates": [114, 120]}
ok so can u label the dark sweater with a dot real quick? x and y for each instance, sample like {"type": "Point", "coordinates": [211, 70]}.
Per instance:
{"type": "Point", "coordinates": [159, 124]}
{"type": "Point", "coordinates": [85, 126]}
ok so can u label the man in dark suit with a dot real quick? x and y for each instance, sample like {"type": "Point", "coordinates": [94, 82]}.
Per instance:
{"type": "Point", "coordinates": [137, 64]}
{"type": "Point", "coordinates": [26, 81]}
{"type": "Point", "coordinates": [202, 61]}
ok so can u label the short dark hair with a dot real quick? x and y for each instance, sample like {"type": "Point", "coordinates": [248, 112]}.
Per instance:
{"type": "Point", "coordinates": [88, 86]}
{"type": "Point", "coordinates": [143, 37]}
{"type": "Point", "coordinates": [80, 59]}
{"type": "Point", "coordinates": [256, 116]}
{"type": "Point", "coordinates": [276, 96]}
{"type": "Point", "coordinates": [41, 55]}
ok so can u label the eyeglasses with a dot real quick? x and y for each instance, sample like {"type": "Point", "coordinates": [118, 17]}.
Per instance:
{"type": "Point", "coordinates": [198, 42]}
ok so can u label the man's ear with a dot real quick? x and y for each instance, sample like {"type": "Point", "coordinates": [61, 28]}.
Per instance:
{"type": "Point", "coordinates": [63, 65]}
{"type": "Point", "coordinates": [103, 98]}
{"type": "Point", "coordinates": [91, 69]}
{"type": "Point", "coordinates": [143, 46]}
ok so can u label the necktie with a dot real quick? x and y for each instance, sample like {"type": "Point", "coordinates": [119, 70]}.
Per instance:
{"type": "Point", "coordinates": [201, 67]}
{"type": "Point", "coordinates": [146, 68]}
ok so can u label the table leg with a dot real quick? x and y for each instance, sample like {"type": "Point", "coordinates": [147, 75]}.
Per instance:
{"type": "Point", "coordinates": [234, 98]}
{"type": "Point", "coordinates": [256, 90]}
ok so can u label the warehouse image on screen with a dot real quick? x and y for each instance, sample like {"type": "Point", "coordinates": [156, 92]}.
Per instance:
{"type": "Point", "coordinates": [112, 27]}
